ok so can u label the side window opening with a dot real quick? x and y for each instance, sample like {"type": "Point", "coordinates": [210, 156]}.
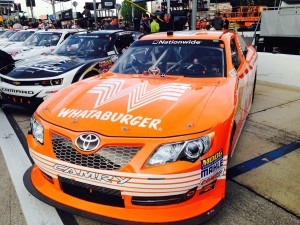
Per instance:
{"type": "Point", "coordinates": [243, 45]}
{"type": "Point", "coordinates": [236, 60]}
{"type": "Point", "coordinates": [123, 43]}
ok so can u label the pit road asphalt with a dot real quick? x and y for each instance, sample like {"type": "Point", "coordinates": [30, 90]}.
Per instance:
{"type": "Point", "coordinates": [267, 194]}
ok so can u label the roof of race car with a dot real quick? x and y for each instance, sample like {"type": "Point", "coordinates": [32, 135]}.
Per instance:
{"type": "Point", "coordinates": [107, 32]}
{"type": "Point", "coordinates": [205, 34]}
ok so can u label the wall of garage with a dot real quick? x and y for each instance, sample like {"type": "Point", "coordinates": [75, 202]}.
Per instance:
{"type": "Point", "coordinates": [279, 69]}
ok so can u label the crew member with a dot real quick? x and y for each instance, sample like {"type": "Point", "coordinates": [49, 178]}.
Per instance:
{"type": "Point", "coordinates": [167, 24]}
{"type": "Point", "coordinates": [113, 25]}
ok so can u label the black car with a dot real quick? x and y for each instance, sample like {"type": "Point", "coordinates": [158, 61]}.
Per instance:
{"type": "Point", "coordinates": [82, 55]}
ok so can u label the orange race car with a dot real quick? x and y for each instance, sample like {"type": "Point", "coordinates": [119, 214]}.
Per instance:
{"type": "Point", "coordinates": [148, 141]}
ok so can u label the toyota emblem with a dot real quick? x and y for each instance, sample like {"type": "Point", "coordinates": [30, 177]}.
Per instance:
{"type": "Point", "coordinates": [87, 142]}
{"type": "Point", "coordinates": [154, 70]}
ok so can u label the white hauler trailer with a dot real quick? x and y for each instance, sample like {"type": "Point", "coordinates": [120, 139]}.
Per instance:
{"type": "Point", "coordinates": [280, 29]}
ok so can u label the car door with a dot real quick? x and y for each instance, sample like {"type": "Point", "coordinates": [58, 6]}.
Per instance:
{"type": "Point", "coordinates": [240, 65]}
{"type": "Point", "coordinates": [243, 72]}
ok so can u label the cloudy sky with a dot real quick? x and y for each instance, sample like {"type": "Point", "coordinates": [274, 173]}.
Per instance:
{"type": "Point", "coordinates": [42, 7]}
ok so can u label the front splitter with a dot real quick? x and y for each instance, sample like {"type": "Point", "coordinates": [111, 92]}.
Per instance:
{"type": "Point", "coordinates": [192, 221]}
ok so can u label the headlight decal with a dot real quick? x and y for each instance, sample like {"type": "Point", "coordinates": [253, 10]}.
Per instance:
{"type": "Point", "coordinates": [37, 130]}
{"type": "Point", "coordinates": [189, 150]}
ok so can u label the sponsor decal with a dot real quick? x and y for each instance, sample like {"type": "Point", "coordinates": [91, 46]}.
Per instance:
{"type": "Point", "coordinates": [90, 175]}
{"type": "Point", "coordinates": [143, 122]}
{"type": "Point", "coordinates": [212, 170]}
{"type": "Point", "coordinates": [212, 165]}
{"type": "Point", "coordinates": [88, 36]}
{"type": "Point", "coordinates": [175, 42]}
{"type": "Point", "coordinates": [106, 63]}
{"type": "Point", "coordinates": [17, 91]}
{"type": "Point", "coordinates": [139, 96]}
{"type": "Point", "coordinates": [53, 67]}
{"type": "Point", "coordinates": [232, 72]}
{"type": "Point", "coordinates": [208, 187]}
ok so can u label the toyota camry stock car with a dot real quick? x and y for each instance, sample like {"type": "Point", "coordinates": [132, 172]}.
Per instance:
{"type": "Point", "coordinates": [148, 141]}
{"type": "Point", "coordinates": [27, 83]}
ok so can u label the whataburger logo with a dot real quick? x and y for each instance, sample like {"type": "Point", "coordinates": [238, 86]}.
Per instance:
{"type": "Point", "coordinates": [111, 90]}
{"type": "Point", "coordinates": [139, 96]}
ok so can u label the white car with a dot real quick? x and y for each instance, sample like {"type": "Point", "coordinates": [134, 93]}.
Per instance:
{"type": "Point", "coordinates": [17, 38]}
{"type": "Point", "coordinates": [41, 42]}
{"type": "Point", "coordinates": [7, 34]}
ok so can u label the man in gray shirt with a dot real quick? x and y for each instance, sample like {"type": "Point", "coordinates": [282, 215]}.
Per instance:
{"type": "Point", "coordinates": [113, 25]}
{"type": "Point", "coordinates": [217, 22]}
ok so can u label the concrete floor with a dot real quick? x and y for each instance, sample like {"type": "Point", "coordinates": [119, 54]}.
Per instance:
{"type": "Point", "coordinates": [274, 121]}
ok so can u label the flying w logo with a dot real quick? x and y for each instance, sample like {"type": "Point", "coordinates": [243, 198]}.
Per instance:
{"type": "Point", "coordinates": [111, 90]}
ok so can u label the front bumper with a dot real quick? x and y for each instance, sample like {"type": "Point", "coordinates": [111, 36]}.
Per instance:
{"type": "Point", "coordinates": [19, 102]}
{"type": "Point", "coordinates": [42, 189]}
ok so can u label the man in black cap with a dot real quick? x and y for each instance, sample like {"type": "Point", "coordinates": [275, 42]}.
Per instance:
{"type": "Point", "coordinates": [146, 24]}
{"type": "Point", "coordinates": [86, 12]}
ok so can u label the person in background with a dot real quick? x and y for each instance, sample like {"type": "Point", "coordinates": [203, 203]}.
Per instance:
{"type": "Point", "coordinates": [154, 25]}
{"type": "Point", "coordinates": [226, 23]}
{"type": "Point", "coordinates": [17, 25]}
{"type": "Point", "coordinates": [217, 22]}
{"type": "Point", "coordinates": [198, 24]}
{"type": "Point", "coordinates": [167, 24]}
{"type": "Point", "coordinates": [146, 24]}
{"type": "Point", "coordinates": [41, 25]}
{"type": "Point", "coordinates": [87, 12]}
{"type": "Point", "coordinates": [113, 25]}
{"type": "Point", "coordinates": [57, 25]}
{"type": "Point", "coordinates": [203, 24]}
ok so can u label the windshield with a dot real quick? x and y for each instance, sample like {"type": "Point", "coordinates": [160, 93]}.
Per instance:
{"type": "Point", "coordinates": [43, 39]}
{"type": "Point", "coordinates": [7, 34]}
{"type": "Point", "coordinates": [20, 36]}
{"type": "Point", "coordinates": [189, 58]}
{"type": "Point", "coordinates": [85, 46]}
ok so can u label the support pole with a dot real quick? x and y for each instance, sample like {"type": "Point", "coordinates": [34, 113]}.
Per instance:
{"type": "Point", "coordinates": [168, 6]}
{"type": "Point", "coordinates": [31, 10]}
{"type": "Point", "coordinates": [132, 7]}
{"type": "Point", "coordinates": [53, 8]}
{"type": "Point", "coordinates": [194, 14]}
{"type": "Point", "coordinates": [95, 14]}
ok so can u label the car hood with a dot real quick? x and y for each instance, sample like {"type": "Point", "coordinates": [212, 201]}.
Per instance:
{"type": "Point", "coordinates": [20, 48]}
{"type": "Point", "coordinates": [132, 106]}
{"type": "Point", "coordinates": [13, 45]}
{"type": "Point", "coordinates": [4, 44]}
{"type": "Point", "coordinates": [42, 67]}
